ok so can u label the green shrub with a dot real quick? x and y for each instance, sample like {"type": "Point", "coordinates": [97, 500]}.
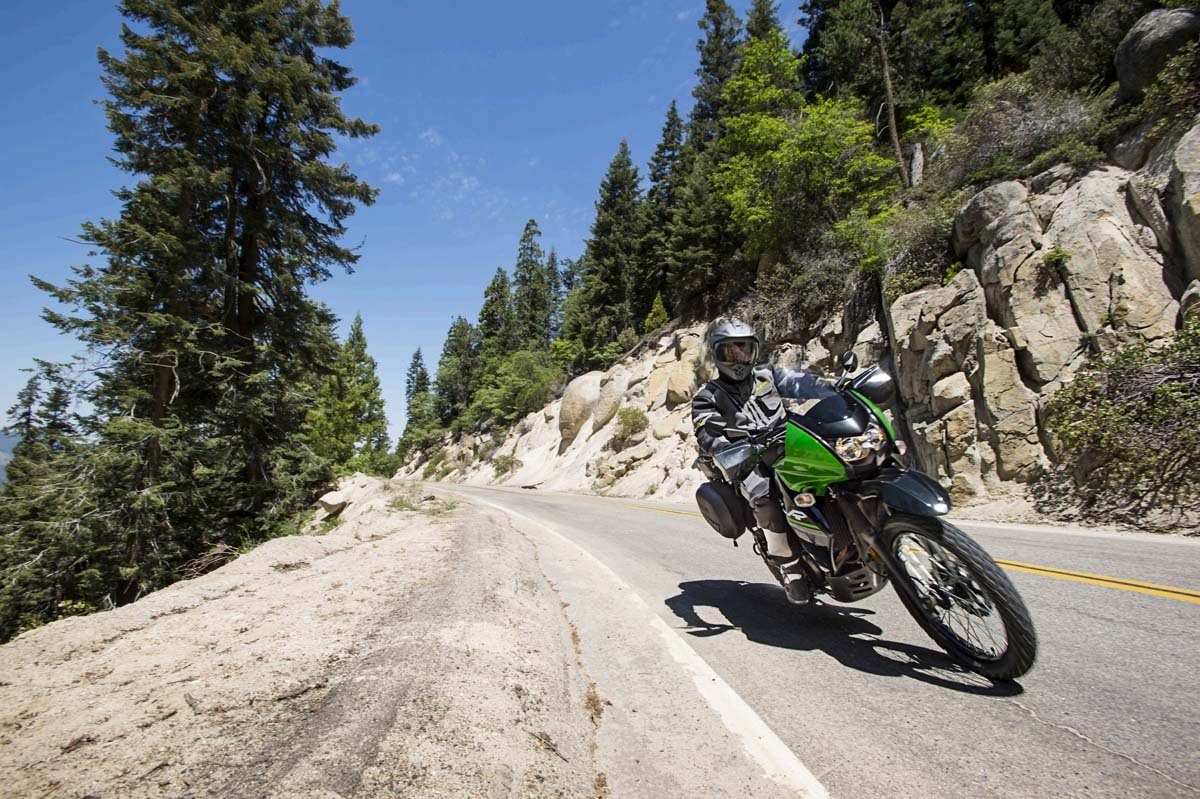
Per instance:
{"type": "Point", "coordinates": [1081, 57]}
{"type": "Point", "coordinates": [900, 282]}
{"type": "Point", "coordinates": [1127, 430]}
{"type": "Point", "coordinates": [799, 293]}
{"type": "Point", "coordinates": [1009, 123]}
{"type": "Point", "coordinates": [1053, 267]}
{"type": "Point", "coordinates": [1175, 94]}
{"type": "Point", "coordinates": [379, 463]}
{"type": "Point", "coordinates": [503, 464]}
{"type": "Point", "coordinates": [630, 422]}
{"type": "Point", "coordinates": [513, 386]}
{"type": "Point", "coordinates": [433, 463]}
{"type": "Point", "coordinates": [1078, 151]}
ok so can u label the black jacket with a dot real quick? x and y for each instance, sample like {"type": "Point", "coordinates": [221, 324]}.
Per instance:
{"type": "Point", "coordinates": [753, 404]}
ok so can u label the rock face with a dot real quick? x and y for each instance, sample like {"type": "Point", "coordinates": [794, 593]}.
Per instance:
{"type": "Point", "coordinates": [1183, 193]}
{"type": "Point", "coordinates": [972, 418]}
{"type": "Point", "coordinates": [1150, 43]}
{"type": "Point", "coordinates": [578, 403]}
{"type": "Point", "coordinates": [1060, 267]}
{"type": "Point", "coordinates": [569, 446]}
{"type": "Point", "coordinates": [1108, 282]}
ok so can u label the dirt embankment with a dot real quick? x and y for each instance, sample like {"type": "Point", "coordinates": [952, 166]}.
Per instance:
{"type": "Point", "coordinates": [403, 653]}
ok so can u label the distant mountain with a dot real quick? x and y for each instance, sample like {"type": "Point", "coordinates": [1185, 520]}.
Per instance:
{"type": "Point", "coordinates": [7, 442]}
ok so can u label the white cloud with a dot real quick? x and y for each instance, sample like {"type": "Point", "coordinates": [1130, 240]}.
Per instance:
{"type": "Point", "coordinates": [685, 15]}
{"type": "Point", "coordinates": [394, 177]}
{"type": "Point", "coordinates": [431, 137]}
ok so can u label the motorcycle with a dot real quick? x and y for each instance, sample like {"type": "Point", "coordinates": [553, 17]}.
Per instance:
{"type": "Point", "coordinates": [860, 518]}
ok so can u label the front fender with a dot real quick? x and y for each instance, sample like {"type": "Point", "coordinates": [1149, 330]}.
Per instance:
{"type": "Point", "coordinates": [910, 492]}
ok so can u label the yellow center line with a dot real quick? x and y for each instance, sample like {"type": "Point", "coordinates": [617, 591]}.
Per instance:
{"type": "Point", "coordinates": [1154, 589]}
{"type": "Point", "coordinates": [1120, 583]}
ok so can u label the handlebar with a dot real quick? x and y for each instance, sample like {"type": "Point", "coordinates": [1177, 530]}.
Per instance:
{"type": "Point", "coordinates": [772, 436]}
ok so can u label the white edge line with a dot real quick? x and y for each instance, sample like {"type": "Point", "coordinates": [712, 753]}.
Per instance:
{"type": "Point", "coordinates": [761, 743]}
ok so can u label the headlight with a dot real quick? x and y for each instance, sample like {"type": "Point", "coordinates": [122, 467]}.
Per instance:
{"type": "Point", "coordinates": [855, 448]}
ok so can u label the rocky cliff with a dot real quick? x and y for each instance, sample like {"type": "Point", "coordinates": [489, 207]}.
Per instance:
{"type": "Point", "coordinates": [1056, 268]}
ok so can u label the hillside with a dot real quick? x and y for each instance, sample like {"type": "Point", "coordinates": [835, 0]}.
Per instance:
{"type": "Point", "coordinates": [976, 360]}
{"type": "Point", "coordinates": [1044, 234]}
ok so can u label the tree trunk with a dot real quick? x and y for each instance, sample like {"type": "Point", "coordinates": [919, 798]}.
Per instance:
{"type": "Point", "coordinates": [891, 102]}
{"type": "Point", "coordinates": [917, 170]}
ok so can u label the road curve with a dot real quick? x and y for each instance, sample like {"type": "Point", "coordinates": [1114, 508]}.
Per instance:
{"type": "Point", "coordinates": [868, 703]}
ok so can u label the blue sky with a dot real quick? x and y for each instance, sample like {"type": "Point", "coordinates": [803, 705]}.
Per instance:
{"type": "Point", "coordinates": [491, 113]}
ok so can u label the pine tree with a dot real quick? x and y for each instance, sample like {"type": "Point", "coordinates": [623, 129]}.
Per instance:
{"type": "Point", "coordinates": [702, 272]}
{"type": "Point", "coordinates": [720, 50]}
{"type": "Point", "coordinates": [533, 290]}
{"type": "Point", "coordinates": [497, 322]}
{"type": "Point", "coordinates": [557, 292]}
{"type": "Point", "coordinates": [657, 316]}
{"type": "Point", "coordinates": [457, 370]}
{"type": "Point", "coordinates": [763, 101]}
{"type": "Point", "coordinates": [202, 335]}
{"type": "Point", "coordinates": [421, 428]}
{"type": "Point", "coordinates": [608, 292]}
{"type": "Point", "coordinates": [371, 434]}
{"type": "Point", "coordinates": [347, 424]}
{"type": "Point", "coordinates": [763, 19]}
{"type": "Point", "coordinates": [416, 380]}
{"type": "Point", "coordinates": [661, 198]}
{"type": "Point", "coordinates": [24, 412]}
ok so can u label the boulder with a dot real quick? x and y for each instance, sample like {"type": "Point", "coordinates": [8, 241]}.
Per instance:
{"type": "Point", "coordinates": [612, 392]}
{"type": "Point", "coordinates": [1011, 410]}
{"type": "Point", "coordinates": [1148, 45]}
{"type": "Point", "coordinates": [1114, 276]}
{"type": "Point", "coordinates": [634, 454]}
{"type": "Point", "coordinates": [933, 334]}
{"type": "Point", "coordinates": [1145, 204]}
{"type": "Point", "coordinates": [670, 425]}
{"type": "Point", "coordinates": [983, 210]}
{"type": "Point", "coordinates": [1189, 303]}
{"type": "Point", "coordinates": [334, 502]}
{"type": "Point", "coordinates": [950, 392]}
{"type": "Point", "coordinates": [682, 378]}
{"type": "Point", "coordinates": [869, 345]}
{"type": "Point", "coordinates": [656, 387]}
{"type": "Point", "coordinates": [1183, 200]}
{"type": "Point", "coordinates": [973, 419]}
{"type": "Point", "coordinates": [578, 404]}
{"type": "Point", "coordinates": [1053, 181]}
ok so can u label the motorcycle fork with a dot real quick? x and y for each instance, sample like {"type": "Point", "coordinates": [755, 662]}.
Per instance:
{"type": "Point", "coordinates": [855, 523]}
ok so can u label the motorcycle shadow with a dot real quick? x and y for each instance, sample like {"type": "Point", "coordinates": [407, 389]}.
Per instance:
{"type": "Point", "coordinates": [760, 612]}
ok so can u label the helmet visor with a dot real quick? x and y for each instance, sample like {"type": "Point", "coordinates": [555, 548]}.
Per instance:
{"type": "Point", "coordinates": [737, 350]}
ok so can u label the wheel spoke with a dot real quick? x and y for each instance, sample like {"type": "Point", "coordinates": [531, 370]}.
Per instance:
{"type": "Point", "coordinates": [940, 578]}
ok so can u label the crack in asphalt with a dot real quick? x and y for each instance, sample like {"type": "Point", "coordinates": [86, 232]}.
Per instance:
{"type": "Point", "coordinates": [1081, 736]}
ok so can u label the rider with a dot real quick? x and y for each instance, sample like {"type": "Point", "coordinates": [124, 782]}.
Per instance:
{"type": "Point", "coordinates": [748, 394]}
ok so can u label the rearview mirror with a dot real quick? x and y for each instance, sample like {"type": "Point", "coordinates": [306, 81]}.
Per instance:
{"type": "Point", "coordinates": [849, 362]}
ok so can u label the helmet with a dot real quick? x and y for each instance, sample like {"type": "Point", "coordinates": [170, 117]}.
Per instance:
{"type": "Point", "coordinates": [735, 348]}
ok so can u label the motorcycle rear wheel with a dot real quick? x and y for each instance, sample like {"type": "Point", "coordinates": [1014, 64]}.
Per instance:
{"type": "Point", "coordinates": [959, 596]}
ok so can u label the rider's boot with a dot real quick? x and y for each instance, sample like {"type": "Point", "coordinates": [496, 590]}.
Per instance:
{"type": "Point", "coordinates": [794, 579]}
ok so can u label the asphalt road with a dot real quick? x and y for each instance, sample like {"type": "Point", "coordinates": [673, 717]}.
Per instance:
{"type": "Point", "coordinates": [868, 703]}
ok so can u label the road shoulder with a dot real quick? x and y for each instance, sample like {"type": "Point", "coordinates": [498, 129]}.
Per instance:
{"type": "Point", "coordinates": [399, 654]}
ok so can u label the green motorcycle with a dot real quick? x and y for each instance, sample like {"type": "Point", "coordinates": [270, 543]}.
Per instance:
{"type": "Point", "coordinates": [860, 518]}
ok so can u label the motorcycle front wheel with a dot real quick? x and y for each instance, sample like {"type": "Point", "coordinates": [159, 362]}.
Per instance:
{"type": "Point", "coordinates": [959, 596]}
